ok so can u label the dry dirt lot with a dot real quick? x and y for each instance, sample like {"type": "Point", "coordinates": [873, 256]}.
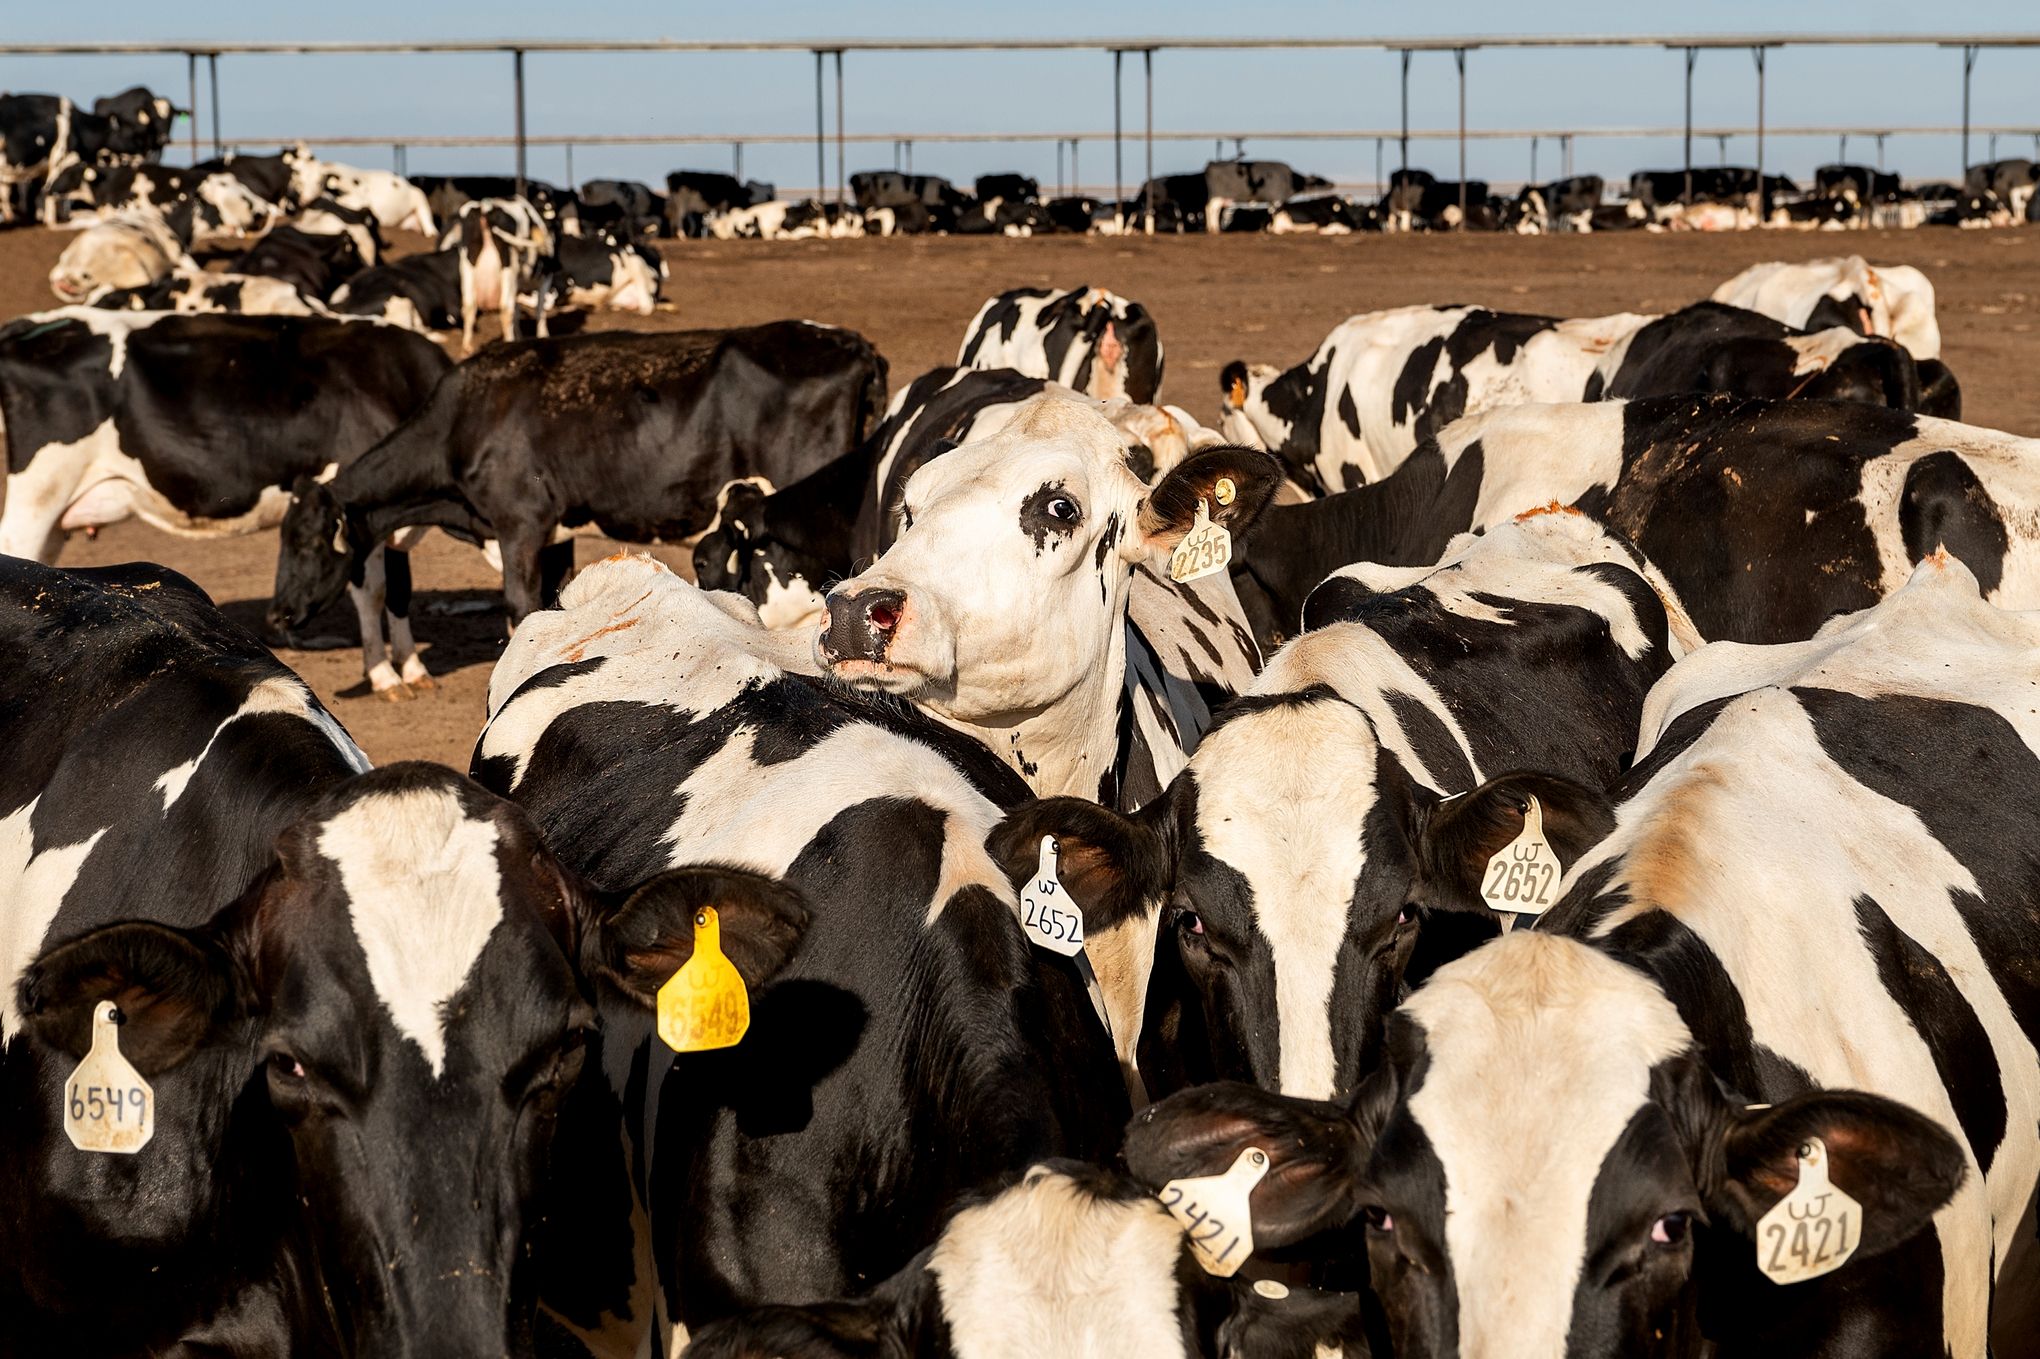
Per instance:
{"type": "Point", "coordinates": [1215, 299]}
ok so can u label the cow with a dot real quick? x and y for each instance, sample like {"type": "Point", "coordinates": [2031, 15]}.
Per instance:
{"type": "Point", "coordinates": [2009, 181]}
{"type": "Point", "coordinates": [1860, 183]}
{"type": "Point", "coordinates": [1735, 185]}
{"type": "Point", "coordinates": [199, 426]}
{"type": "Point", "coordinates": [1095, 341]}
{"type": "Point", "coordinates": [446, 195]}
{"type": "Point", "coordinates": [1326, 214]}
{"type": "Point", "coordinates": [599, 272]}
{"type": "Point", "coordinates": [914, 1006]}
{"type": "Point", "coordinates": [1561, 205]}
{"type": "Point", "coordinates": [633, 434]}
{"type": "Point", "coordinates": [501, 242]}
{"type": "Point", "coordinates": [891, 189]}
{"type": "Point", "coordinates": [1582, 1134]}
{"type": "Point", "coordinates": [142, 121]}
{"type": "Point", "coordinates": [1270, 182]}
{"type": "Point", "coordinates": [1417, 200]}
{"type": "Point", "coordinates": [1003, 217]}
{"type": "Point", "coordinates": [418, 292]}
{"type": "Point", "coordinates": [390, 199]}
{"type": "Point", "coordinates": [623, 204]}
{"type": "Point", "coordinates": [134, 251]}
{"type": "Point", "coordinates": [1075, 213]}
{"type": "Point", "coordinates": [780, 220]}
{"type": "Point", "coordinates": [1893, 300]}
{"type": "Point", "coordinates": [1767, 517]}
{"type": "Point", "coordinates": [205, 293]}
{"type": "Point", "coordinates": [1816, 213]}
{"type": "Point", "coordinates": [314, 263]}
{"type": "Point", "coordinates": [361, 998]}
{"type": "Point", "coordinates": [1270, 887]}
{"type": "Point", "coordinates": [1383, 382]}
{"type": "Point", "coordinates": [1010, 188]}
{"type": "Point", "coordinates": [41, 134]}
{"type": "Point", "coordinates": [268, 178]}
{"type": "Point", "coordinates": [1072, 1259]}
{"type": "Point", "coordinates": [691, 195]}
{"type": "Point", "coordinates": [782, 548]}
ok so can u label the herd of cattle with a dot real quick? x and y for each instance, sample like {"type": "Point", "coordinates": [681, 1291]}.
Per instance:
{"type": "Point", "coordinates": [1518, 838]}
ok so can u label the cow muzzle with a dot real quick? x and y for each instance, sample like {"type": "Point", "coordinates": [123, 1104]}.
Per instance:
{"type": "Point", "coordinates": [862, 625]}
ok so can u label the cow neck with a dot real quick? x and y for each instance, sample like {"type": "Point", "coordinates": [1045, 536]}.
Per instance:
{"type": "Point", "coordinates": [1068, 747]}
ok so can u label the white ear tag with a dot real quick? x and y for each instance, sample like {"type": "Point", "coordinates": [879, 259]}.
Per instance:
{"type": "Point", "coordinates": [1047, 914]}
{"type": "Point", "coordinates": [1206, 548]}
{"type": "Point", "coordinates": [107, 1104]}
{"type": "Point", "coordinates": [1216, 1212]}
{"type": "Point", "coordinates": [1523, 875]}
{"type": "Point", "coordinates": [1814, 1229]}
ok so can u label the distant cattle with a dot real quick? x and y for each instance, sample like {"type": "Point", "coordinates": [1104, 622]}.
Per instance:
{"type": "Point", "coordinates": [1007, 188]}
{"type": "Point", "coordinates": [634, 434]}
{"type": "Point", "coordinates": [1095, 341]}
{"type": "Point", "coordinates": [1258, 181]}
{"type": "Point", "coordinates": [1417, 200]}
{"type": "Point", "coordinates": [784, 221]}
{"type": "Point", "coordinates": [1561, 205]}
{"type": "Point", "coordinates": [392, 200]}
{"type": "Point", "coordinates": [600, 272]}
{"type": "Point", "coordinates": [623, 205]}
{"type": "Point", "coordinates": [1862, 183]}
{"type": "Point", "coordinates": [1326, 214]}
{"type": "Point", "coordinates": [2011, 182]}
{"type": "Point", "coordinates": [693, 194]}
{"type": "Point", "coordinates": [891, 189]}
{"type": "Point", "coordinates": [1727, 184]}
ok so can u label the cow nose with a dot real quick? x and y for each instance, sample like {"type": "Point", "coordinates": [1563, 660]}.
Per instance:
{"type": "Point", "coordinates": [861, 625]}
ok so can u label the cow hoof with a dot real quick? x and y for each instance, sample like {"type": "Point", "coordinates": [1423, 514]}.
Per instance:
{"type": "Point", "coordinates": [421, 681]}
{"type": "Point", "coordinates": [397, 693]}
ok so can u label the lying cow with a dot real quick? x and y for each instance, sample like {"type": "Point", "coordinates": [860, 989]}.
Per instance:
{"type": "Point", "coordinates": [1383, 382]}
{"type": "Point", "coordinates": [417, 292]}
{"type": "Point", "coordinates": [394, 202]}
{"type": "Point", "coordinates": [1087, 338]}
{"type": "Point", "coordinates": [599, 272]}
{"type": "Point", "coordinates": [1893, 300]}
{"type": "Point", "coordinates": [203, 293]}
{"type": "Point", "coordinates": [199, 425]}
{"type": "Point", "coordinates": [633, 434]}
{"type": "Point", "coordinates": [124, 252]}
{"type": "Point", "coordinates": [645, 726]}
{"type": "Point", "coordinates": [315, 264]}
{"type": "Point", "coordinates": [1767, 517]}
{"type": "Point", "coordinates": [1582, 1134]}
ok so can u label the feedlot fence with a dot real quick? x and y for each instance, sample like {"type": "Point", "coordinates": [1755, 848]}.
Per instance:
{"type": "Point", "coordinates": [1758, 45]}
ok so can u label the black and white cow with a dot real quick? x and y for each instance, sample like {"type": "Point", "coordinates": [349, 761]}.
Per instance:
{"type": "Point", "coordinates": [2011, 182]}
{"type": "Point", "coordinates": [1893, 300]}
{"type": "Point", "coordinates": [1858, 183]}
{"type": "Point", "coordinates": [892, 189]}
{"type": "Point", "coordinates": [1417, 200]}
{"type": "Point", "coordinates": [1383, 382]}
{"type": "Point", "coordinates": [599, 271]}
{"type": "Point", "coordinates": [199, 426]}
{"type": "Point", "coordinates": [646, 726]}
{"type": "Point", "coordinates": [314, 263]}
{"type": "Point", "coordinates": [1013, 188]}
{"type": "Point", "coordinates": [40, 134]}
{"type": "Point", "coordinates": [633, 434]}
{"type": "Point", "coordinates": [692, 195]}
{"type": "Point", "coordinates": [134, 251]}
{"type": "Point", "coordinates": [1086, 338]}
{"type": "Point", "coordinates": [631, 208]}
{"type": "Point", "coordinates": [501, 242]}
{"type": "Point", "coordinates": [446, 195]}
{"type": "Point", "coordinates": [417, 292]}
{"type": "Point", "coordinates": [206, 293]}
{"type": "Point", "coordinates": [1561, 205]}
{"type": "Point", "coordinates": [1805, 923]}
{"type": "Point", "coordinates": [1272, 884]}
{"type": "Point", "coordinates": [1767, 517]}
{"type": "Point", "coordinates": [781, 220]}
{"type": "Point", "coordinates": [1325, 214]}
{"type": "Point", "coordinates": [390, 199]}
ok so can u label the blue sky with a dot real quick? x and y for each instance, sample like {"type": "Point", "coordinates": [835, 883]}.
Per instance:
{"type": "Point", "coordinates": [901, 93]}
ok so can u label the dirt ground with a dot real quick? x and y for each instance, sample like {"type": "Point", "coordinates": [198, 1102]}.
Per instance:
{"type": "Point", "coordinates": [1215, 299]}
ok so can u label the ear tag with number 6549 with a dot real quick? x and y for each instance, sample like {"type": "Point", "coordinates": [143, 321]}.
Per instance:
{"type": "Point", "coordinates": [704, 1004]}
{"type": "Point", "coordinates": [1217, 1212]}
{"type": "Point", "coordinates": [1814, 1229]}
{"type": "Point", "coordinates": [107, 1104]}
{"type": "Point", "coordinates": [1522, 876]}
{"type": "Point", "coordinates": [1205, 549]}
{"type": "Point", "coordinates": [1047, 914]}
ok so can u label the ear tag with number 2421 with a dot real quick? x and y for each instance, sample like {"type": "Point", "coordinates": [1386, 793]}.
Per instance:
{"type": "Point", "coordinates": [704, 1004]}
{"type": "Point", "coordinates": [1205, 549]}
{"type": "Point", "coordinates": [1047, 914]}
{"type": "Point", "coordinates": [1217, 1212]}
{"type": "Point", "coordinates": [107, 1104]}
{"type": "Point", "coordinates": [1522, 876]}
{"type": "Point", "coordinates": [1814, 1229]}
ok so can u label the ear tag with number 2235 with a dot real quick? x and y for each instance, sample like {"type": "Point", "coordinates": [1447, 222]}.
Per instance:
{"type": "Point", "coordinates": [1814, 1229]}
{"type": "Point", "coordinates": [704, 1004]}
{"type": "Point", "coordinates": [107, 1104]}
{"type": "Point", "coordinates": [1205, 549]}
{"type": "Point", "coordinates": [1217, 1212]}
{"type": "Point", "coordinates": [1522, 876]}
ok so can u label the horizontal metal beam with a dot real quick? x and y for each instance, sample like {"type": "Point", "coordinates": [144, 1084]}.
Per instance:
{"type": "Point", "coordinates": [1125, 44]}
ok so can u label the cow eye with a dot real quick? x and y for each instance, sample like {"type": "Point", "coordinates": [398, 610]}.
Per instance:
{"type": "Point", "coordinates": [1189, 922]}
{"type": "Point", "coordinates": [1378, 1218]}
{"type": "Point", "coordinates": [1063, 510]}
{"type": "Point", "coordinates": [285, 1068]}
{"type": "Point", "coordinates": [1671, 1229]}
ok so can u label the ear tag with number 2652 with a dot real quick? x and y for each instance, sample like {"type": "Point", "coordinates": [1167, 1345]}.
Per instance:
{"type": "Point", "coordinates": [704, 1004]}
{"type": "Point", "coordinates": [1217, 1212]}
{"type": "Point", "coordinates": [1205, 549]}
{"type": "Point", "coordinates": [1522, 876]}
{"type": "Point", "coordinates": [1814, 1229]}
{"type": "Point", "coordinates": [1047, 914]}
{"type": "Point", "coordinates": [107, 1104]}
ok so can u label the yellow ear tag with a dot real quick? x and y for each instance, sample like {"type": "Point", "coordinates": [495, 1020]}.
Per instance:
{"type": "Point", "coordinates": [704, 1004]}
{"type": "Point", "coordinates": [107, 1104]}
{"type": "Point", "coordinates": [1522, 876]}
{"type": "Point", "coordinates": [1814, 1229]}
{"type": "Point", "coordinates": [1216, 1212]}
{"type": "Point", "coordinates": [1205, 549]}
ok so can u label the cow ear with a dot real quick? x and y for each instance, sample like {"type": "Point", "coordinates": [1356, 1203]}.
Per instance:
{"type": "Point", "coordinates": [1171, 507]}
{"type": "Point", "coordinates": [1900, 1165]}
{"type": "Point", "coordinates": [174, 990]}
{"type": "Point", "coordinates": [1459, 835]}
{"type": "Point", "coordinates": [1317, 1153]}
{"type": "Point", "coordinates": [642, 942]}
{"type": "Point", "coordinates": [1110, 864]}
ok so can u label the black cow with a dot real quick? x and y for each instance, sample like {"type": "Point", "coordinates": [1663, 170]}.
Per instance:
{"type": "Point", "coordinates": [1326, 213]}
{"type": "Point", "coordinates": [316, 264]}
{"type": "Point", "coordinates": [1561, 205]}
{"type": "Point", "coordinates": [1713, 347]}
{"type": "Point", "coordinates": [1417, 200]}
{"type": "Point", "coordinates": [892, 189]}
{"type": "Point", "coordinates": [622, 204]}
{"type": "Point", "coordinates": [1258, 181]}
{"type": "Point", "coordinates": [1711, 184]}
{"type": "Point", "coordinates": [2009, 181]}
{"type": "Point", "coordinates": [199, 425]}
{"type": "Point", "coordinates": [1169, 203]}
{"type": "Point", "coordinates": [142, 121]}
{"type": "Point", "coordinates": [1864, 183]}
{"type": "Point", "coordinates": [418, 292]}
{"type": "Point", "coordinates": [635, 434]}
{"type": "Point", "coordinates": [1074, 213]}
{"type": "Point", "coordinates": [1009, 187]}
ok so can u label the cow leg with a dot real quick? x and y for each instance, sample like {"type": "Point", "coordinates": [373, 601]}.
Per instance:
{"type": "Point", "coordinates": [506, 298]}
{"type": "Point", "coordinates": [397, 615]}
{"type": "Point", "coordinates": [555, 565]}
{"type": "Point", "coordinates": [469, 304]}
{"type": "Point", "coordinates": [368, 600]}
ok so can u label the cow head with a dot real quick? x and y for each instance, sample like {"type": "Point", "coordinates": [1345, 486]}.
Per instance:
{"type": "Point", "coordinates": [743, 556]}
{"type": "Point", "coordinates": [401, 1005]}
{"type": "Point", "coordinates": [1006, 588]}
{"type": "Point", "coordinates": [1546, 1168]}
{"type": "Point", "coordinates": [318, 553]}
{"type": "Point", "coordinates": [1258, 408]}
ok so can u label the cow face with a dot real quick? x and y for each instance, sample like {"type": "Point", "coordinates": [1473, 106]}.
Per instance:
{"type": "Point", "coordinates": [399, 1000]}
{"type": "Point", "coordinates": [1007, 586]}
{"type": "Point", "coordinates": [1262, 405]}
{"type": "Point", "coordinates": [1545, 1167]}
{"type": "Point", "coordinates": [316, 555]}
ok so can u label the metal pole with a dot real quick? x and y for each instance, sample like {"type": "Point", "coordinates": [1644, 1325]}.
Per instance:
{"type": "Point", "coordinates": [1533, 160]}
{"type": "Point", "coordinates": [570, 165]}
{"type": "Point", "coordinates": [1380, 184]}
{"type": "Point", "coordinates": [821, 134]}
{"type": "Point", "coordinates": [1968, 65]}
{"type": "Point", "coordinates": [839, 127]}
{"type": "Point", "coordinates": [1406, 111]}
{"type": "Point", "coordinates": [1058, 169]}
{"type": "Point", "coordinates": [517, 69]}
{"type": "Point", "coordinates": [736, 160]}
{"type": "Point", "coordinates": [192, 70]}
{"type": "Point", "coordinates": [1993, 147]}
{"type": "Point", "coordinates": [1076, 178]}
{"type": "Point", "coordinates": [1763, 206]}
{"type": "Point", "coordinates": [1565, 143]}
{"type": "Point", "coordinates": [1148, 62]}
{"type": "Point", "coordinates": [1459, 58]}
{"type": "Point", "coordinates": [1880, 150]}
{"type": "Point", "coordinates": [1118, 170]}
{"type": "Point", "coordinates": [1692, 55]}
{"type": "Point", "coordinates": [212, 66]}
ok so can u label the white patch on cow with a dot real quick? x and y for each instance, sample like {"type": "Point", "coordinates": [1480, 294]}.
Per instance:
{"type": "Point", "coordinates": [1898, 299]}
{"type": "Point", "coordinates": [270, 696]}
{"type": "Point", "coordinates": [1537, 455]}
{"type": "Point", "coordinates": [1816, 353]}
{"type": "Point", "coordinates": [1540, 1051]}
{"type": "Point", "coordinates": [789, 603]}
{"type": "Point", "coordinates": [1047, 1268]}
{"type": "Point", "coordinates": [424, 892]}
{"type": "Point", "coordinates": [37, 884]}
{"type": "Point", "coordinates": [123, 252]}
{"type": "Point", "coordinates": [1026, 349]}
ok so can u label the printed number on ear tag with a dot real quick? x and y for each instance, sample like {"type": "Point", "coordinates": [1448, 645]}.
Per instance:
{"type": "Point", "coordinates": [1814, 1229]}
{"type": "Point", "coordinates": [1047, 914]}
{"type": "Point", "coordinates": [1216, 1212]}
{"type": "Point", "coordinates": [704, 1004]}
{"type": "Point", "coordinates": [1523, 875]}
{"type": "Point", "coordinates": [1206, 548]}
{"type": "Point", "coordinates": [107, 1104]}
